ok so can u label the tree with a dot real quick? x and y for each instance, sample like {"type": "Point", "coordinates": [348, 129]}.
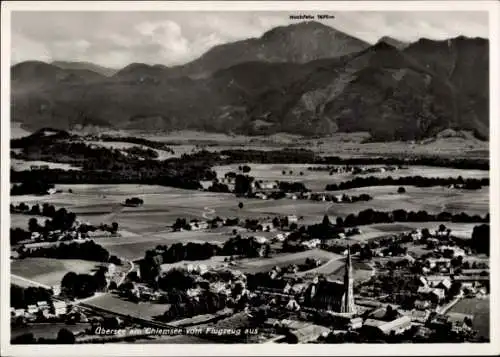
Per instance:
{"type": "Point", "coordinates": [114, 226]}
{"type": "Point", "coordinates": [480, 240]}
{"type": "Point", "coordinates": [33, 225]}
{"type": "Point", "coordinates": [35, 209]}
{"type": "Point", "coordinates": [401, 190]}
{"type": "Point", "coordinates": [326, 221]}
{"type": "Point", "coordinates": [301, 173]}
{"type": "Point", "coordinates": [65, 336]}
{"type": "Point", "coordinates": [240, 205]}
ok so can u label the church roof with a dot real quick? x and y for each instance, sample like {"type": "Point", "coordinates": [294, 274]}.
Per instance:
{"type": "Point", "coordinates": [331, 288]}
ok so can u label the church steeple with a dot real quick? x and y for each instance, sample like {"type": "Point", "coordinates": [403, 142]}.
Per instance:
{"type": "Point", "coordinates": [348, 300]}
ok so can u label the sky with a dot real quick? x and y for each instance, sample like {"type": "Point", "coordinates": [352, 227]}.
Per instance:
{"type": "Point", "coordinates": [116, 39]}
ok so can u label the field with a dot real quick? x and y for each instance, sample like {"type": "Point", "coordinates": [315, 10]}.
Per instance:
{"type": "Point", "coordinates": [317, 180]}
{"type": "Point", "coordinates": [121, 306]}
{"type": "Point", "coordinates": [480, 308]}
{"type": "Point", "coordinates": [255, 265]}
{"type": "Point", "coordinates": [432, 199]}
{"type": "Point", "coordinates": [49, 271]}
{"type": "Point", "coordinates": [134, 246]}
{"type": "Point", "coordinates": [21, 220]}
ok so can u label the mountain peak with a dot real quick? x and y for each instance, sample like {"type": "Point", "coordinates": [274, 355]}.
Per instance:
{"type": "Point", "coordinates": [394, 42]}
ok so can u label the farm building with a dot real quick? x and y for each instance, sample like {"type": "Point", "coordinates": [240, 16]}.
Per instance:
{"type": "Point", "coordinates": [396, 326]}
{"type": "Point", "coordinates": [19, 312]}
{"type": "Point", "coordinates": [292, 219]}
{"type": "Point", "coordinates": [32, 309]}
{"type": "Point", "coordinates": [59, 308]}
{"type": "Point", "coordinates": [422, 304]}
{"type": "Point", "coordinates": [307, 334]}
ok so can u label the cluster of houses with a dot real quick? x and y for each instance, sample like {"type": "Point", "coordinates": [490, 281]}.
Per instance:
{"type": "Point", "coordinates": [355, 170]}
{"type": "Point", "coordinates": [42, 309]}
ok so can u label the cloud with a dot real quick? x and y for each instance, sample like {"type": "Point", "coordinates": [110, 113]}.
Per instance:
{"type": "Point", "coordinates": [116, 39]}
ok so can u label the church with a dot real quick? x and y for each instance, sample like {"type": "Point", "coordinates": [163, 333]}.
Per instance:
{"type": "Point", "coordinates": [333, 296]}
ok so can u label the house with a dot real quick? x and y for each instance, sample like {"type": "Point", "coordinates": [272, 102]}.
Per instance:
{"type": "Point", "coordinates": [438, 262]}
{"type": "Point", "coordinates": [355, 323]}
{"type": "Point", "coordinates": [451, 251]}
{"type": "Point", "coordinates": [311, 244]}
{"type": "Point", "coordinates": [397, 326]}
{"type": "Point", "coordinates": [422, 304]}
{"type": "Point", "coordinates": [308, 334]}
{"type": "Point", "coordinates": [19, 312]}
{"type": "Point", "coordinates": [420, 316]}
{"type": "Point", "coordinates": [198, 225]}
{"type": "Point", "coordinates": [56, 290]}
{"type": "Point", "coordinates": [438, 293]}
{"type": "Point", "coordinates": [292, 219]}
{"type": "Point", "coordinates": [280, 237]}
{"type": "Point", "coordinates": [444, 284]}
{"type": "Point", "coordinates": [59, 308]}
{"type": "Point", "coordinates": [32, 309]}
{"type": "Point", "coordinates": [416, 235]}
{"type": "Point", "coordinates": [260, 239]}
{"type": "Point", "coordinates": [42, 305]}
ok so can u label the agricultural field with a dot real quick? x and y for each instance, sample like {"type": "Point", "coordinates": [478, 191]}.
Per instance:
{"type": "Point", "coordinates": [360, 270]}
{"type": "Point", "coordinates": [385, 198]}
{"type": "Point", "coordinates": [48, 271]}
{"type": "Point", "coordinates": [133, 247]}
{"type": "Point", "coordinates": [373, 231]}
{"type": "Point", "coordinates": [480, 308]}
{"type": "Point", "coordinates": [255, 265]}
{"type": "Point", "coordinates": [21, 220]}
{"type": "Point", "coordinates": [118, 305]}
{"type": "Point", "coordinates": [317, 180]}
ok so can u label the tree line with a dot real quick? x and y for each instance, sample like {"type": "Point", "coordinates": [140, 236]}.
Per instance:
{"type": "Point", "coordinates": [80, 286]}
{"type": "Point", "coordinates": [88, 250]}
{"type": "Point", "coordinates": [304, 156]}
{"type": "Point", "coordinates": [139, 141]}
{"type": "Point", "coordinates": [21, 297]}
{"type": "Point", "coordinates": [30, 186]}
{"type": "Point", "coordinates": [418, 181]}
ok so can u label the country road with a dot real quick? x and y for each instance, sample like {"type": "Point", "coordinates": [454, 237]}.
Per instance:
{"type": "Point", "coordinates": [29, 281]}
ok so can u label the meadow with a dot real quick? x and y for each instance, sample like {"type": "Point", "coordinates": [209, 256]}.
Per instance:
{"type": "Point", "coordinates": [49, 271]}
{"type": "Point", "coordinates": [118, 305]}
{"type": "Point", "coordinates": [480, 308]}
{"type": "Point", "coordinates": [255, 265]}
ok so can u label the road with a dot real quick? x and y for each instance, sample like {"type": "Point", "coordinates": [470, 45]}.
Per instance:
{"type": "Point", "coordinates": [125, 274]}
{"type": "Point", "coordinates": [31, 282]}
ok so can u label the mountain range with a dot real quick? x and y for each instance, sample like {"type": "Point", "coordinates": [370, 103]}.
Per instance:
{"type": "Point", "coordinates": [305, 78]}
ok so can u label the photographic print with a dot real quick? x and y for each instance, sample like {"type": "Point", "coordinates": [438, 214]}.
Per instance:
{"type": "Point", "coordinates": [272, 176]}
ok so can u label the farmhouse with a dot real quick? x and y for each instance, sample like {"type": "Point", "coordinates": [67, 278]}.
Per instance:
{"type": "Point", "coordinates": [308, 334]}
{"type": "Point", "coordinates": [198, 225]}
{"type": "Point", "coordinates": [32, 309]}
{"type": "Point", "coordinates": [292, 219]}
{"type": "Point", "coordinates": [19, 312]}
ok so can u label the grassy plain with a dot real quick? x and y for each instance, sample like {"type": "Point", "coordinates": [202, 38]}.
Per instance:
{"type": "Point", "coordinates": [122, 306]}
{"type": "Point", "coordinates": [480, 308]}
{"type": "Point", "coordinates": [49, 271]}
